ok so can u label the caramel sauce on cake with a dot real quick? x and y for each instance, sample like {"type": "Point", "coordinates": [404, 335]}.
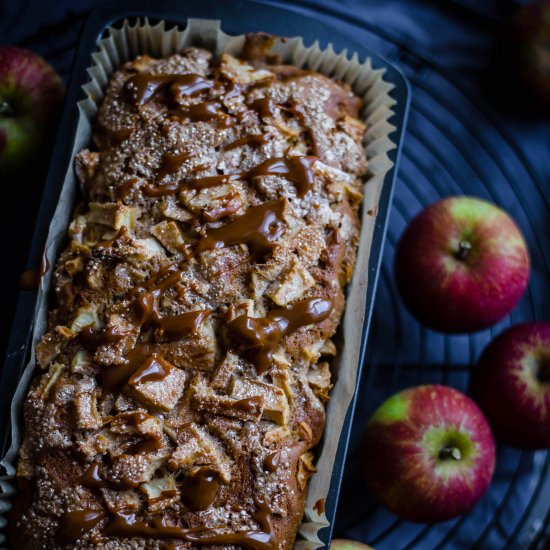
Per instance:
{"type": "Point", "coordinates": [204, 112]}
{"type": "Point", "coordinates": [295, 169]}
{"type": "Point", "coordinates": [178, 393]}
{"type": "Point", "coordinates": [153, 369]}
{"type": "Point", "coordinates": [178, 326]}
{"type": "Point", "coordinates": [262, 335]}
{"type": "Point", "coordinates": [259, 228]}
{"type": "Point", "coordinates": [272, 461]}
{"type": "Point", "coordinates": [144, 86]}
{"type": "Point", "coordinates": [30, 279]}
{"type": "Point", "coordinates": [200, 490]}
{"type": "Point", "coordinates": [171, 163]}
{"type": "Point", "coordinates": [200, 183]}
{"type": "Point", "coordinates": [116, 137]}
{"type": "Point", "coordinates": [78, 522]}
{"type": "Point", "coordinates": [253, 140]}
{"type": "Point", "coordinates": [319, 506]}
{"type": "Point", "coordinates": [113, 377]}
{"type": "Point", "coordinates": [265, 107]}
{"type": "Point", "coordinates": [90, 478]}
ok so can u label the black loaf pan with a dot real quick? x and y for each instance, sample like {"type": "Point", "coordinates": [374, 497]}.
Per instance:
{"type": "Point", "coordinates": [237, 17]}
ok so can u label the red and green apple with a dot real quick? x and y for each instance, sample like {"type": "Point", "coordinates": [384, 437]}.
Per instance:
{"type": "Point", "coordinates": [31, 94]}
{"type": "Point", "coordinates": [511, 383]}
{"type": "Point", "coordinates": [461, 265]}
{"type": "Point", "coordinates": [429, 453]}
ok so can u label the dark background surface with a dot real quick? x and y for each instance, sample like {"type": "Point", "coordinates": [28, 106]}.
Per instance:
{"type": "Point", "coordinates": [457, 143]}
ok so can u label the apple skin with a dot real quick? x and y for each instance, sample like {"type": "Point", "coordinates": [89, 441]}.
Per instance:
{"type": "Point", "coordinates": [345, 544]}
{"type": "Point", "coordinates": [31, 95]}
{"type": "Point", "coordinates": [461, 265]}
{"type": "Point", "coordinates": [511, 384]}
{"type": "Point", "coordinates": [409, 461]}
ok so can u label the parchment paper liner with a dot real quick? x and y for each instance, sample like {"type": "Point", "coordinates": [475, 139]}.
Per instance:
{"type": "Point", "coordinates": [121, 45]}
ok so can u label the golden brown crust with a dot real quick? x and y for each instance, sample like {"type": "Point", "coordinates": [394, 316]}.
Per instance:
{"type": "Point", "coordinates": [183, 375]}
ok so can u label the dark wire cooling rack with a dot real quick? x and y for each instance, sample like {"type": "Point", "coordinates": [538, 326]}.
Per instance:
{"type": "Point", "coordinates": [455, 145]}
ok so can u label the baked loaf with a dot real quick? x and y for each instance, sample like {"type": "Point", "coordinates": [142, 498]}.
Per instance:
{"type": "Point", "coordinates": [183, 377]}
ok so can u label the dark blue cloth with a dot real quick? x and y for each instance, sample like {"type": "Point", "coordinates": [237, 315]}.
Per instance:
{"type": "Point", "coordinates": [457, 142]}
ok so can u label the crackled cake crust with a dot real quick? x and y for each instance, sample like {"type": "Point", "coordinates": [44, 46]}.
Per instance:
{"type": "Point", "coordinates": [185, 369]}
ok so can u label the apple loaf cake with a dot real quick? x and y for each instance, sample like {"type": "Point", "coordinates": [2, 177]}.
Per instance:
{"type": "Point", "coordinates": [182, 379]}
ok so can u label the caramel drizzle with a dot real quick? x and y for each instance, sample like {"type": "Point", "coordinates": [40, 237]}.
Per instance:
{"type": "Point", "coordinates": [254, 140]}
{"type": "Point", "coordinates": [142, 365]}
{"type": "Point", "coordinates": [265, 107]}
{"type": "Point", "coordinates": [143, 87]}
{"type": "Point", "coordinates": [126, 525]}
{"type": "Point", "coordinates": [153, 369]}
{"type": "Point", "coordinates": [171, 327]}
{"type": "Point", "coordinates": [74, 525]}
{"type": "Point", "coordinates": [107, 247]}
{"type": "Point", "coordinates": [151, 444]}
{"type": "Point", "coordinates": [200, 489]}
{"type": "Point", "coordinates": [151, 366]}
{"type": "Point", "coordinates": [148, 293]}
{"type": "Point", "coordinates": [30, 279]}
{"type": "Point", "coordinates": [171, 188]}
{"type": "Point", "coordinates": [89, 337]}
{"type": "Point", "coordinates": [228, 207]}
{"type": "Point", "coordinates": [161, 280]}
{"type": "Point", "coordinates": [260, 227]}
{"type": "Point", "coordinates": [319, 506]}
{"type": "Point", "coordinates": [126, 188]}
{"type": "Point", "coordinates": [133, 418]}
{"type": "Point", "coordinates": [199, 183]}
{"type": "Point", "coordinates": [188, 85]}
{"type": "Point", "coordinates": [148, 307]}
{"type": "Point", "coordinates": [296, 169]}
{"type": "Point", "coordinates": [171, 164]}
{"type": "Point", "coordinates": [230, 90]}
{"type": "Point", "coordinates": [248, 404]}
{"type": "Point", "coordinates": [91, 478]}
{"type": "Point", "coordinates": [264, 538]}
{"type": "Point", "coordinates": [113, 377]}
{"type": "Point", "coordinates": [272, 461]}
{"type": "Point", "coordinates": [261, 335]}
{"type": "Point", "coordinates": [175, 327]}
{"type": "Point", "coordinates": [116, 137]}
{"type": "Point", "coordinates": [147, 446]}
{"type": "Point", "coordinates": [204, 112]}
{"type": "Point", "coordinates": [200, 167]}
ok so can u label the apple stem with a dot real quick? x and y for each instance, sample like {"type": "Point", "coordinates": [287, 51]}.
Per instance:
{"type": "Point", "coordinates": [5, 108]}
{"type": "Point", "coordinates": [450, 452]}
{"type": "Point", "coordinates": [464, 248]}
